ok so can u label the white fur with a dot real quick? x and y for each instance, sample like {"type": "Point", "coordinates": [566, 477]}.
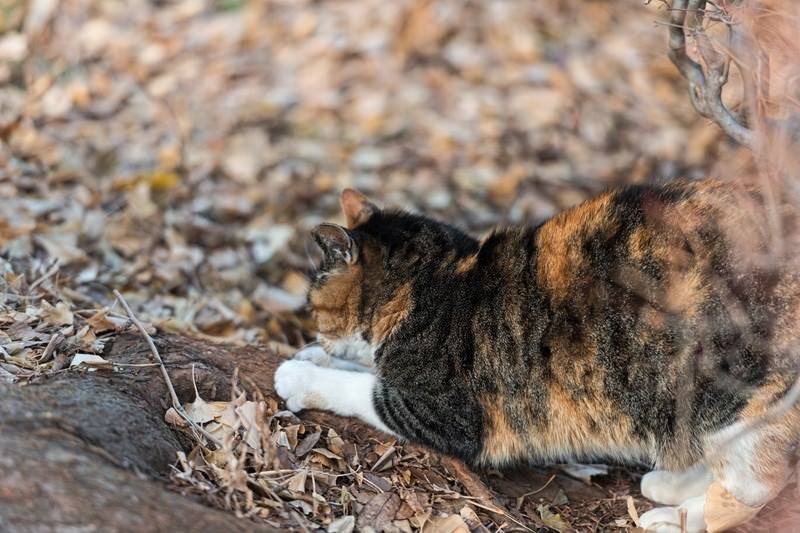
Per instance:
{"type": "Point", "coordinates": [668, 519]}
{"type": "Point", "coordinates": [306, 386]}
{"type": "Point", "coordinates": [733, 454]}
{"type": "Point", "coordinates": [672, 488]}
{"type": "Point", "coordinates": [736, 449]}
{"type": "Point", "coordinates": [352, 348]}
{"type": "Point", "coordinates": [316, 354]}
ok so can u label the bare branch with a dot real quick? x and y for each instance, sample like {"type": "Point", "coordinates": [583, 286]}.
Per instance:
{"type": "Point", "coordinates": [705, 87]}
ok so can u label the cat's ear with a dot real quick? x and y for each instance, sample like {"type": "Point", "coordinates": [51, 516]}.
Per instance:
{"type": "Point", "coordinates": [356, 207]}
{"type": "Point", "coordinates": [336, 243]}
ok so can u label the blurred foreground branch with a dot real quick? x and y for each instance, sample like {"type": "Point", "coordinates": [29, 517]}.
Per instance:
{"type": "Point", "coordinates": [752, 35]}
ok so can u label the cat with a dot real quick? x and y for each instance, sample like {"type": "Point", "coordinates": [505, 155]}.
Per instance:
{"type": "Point", "coordinates": [657, 324]}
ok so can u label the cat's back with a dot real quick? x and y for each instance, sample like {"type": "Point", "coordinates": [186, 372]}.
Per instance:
{"type": "Point", "coordinates": [656, 231]}
{"type": "Point", "coordinates": [660, 310]}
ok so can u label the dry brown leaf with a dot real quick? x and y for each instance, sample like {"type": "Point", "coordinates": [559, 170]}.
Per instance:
{"type": "Point", "coordinates": [385, 460]}
{"type": "Point", "coordinates": [335, 442]}
{"type": "Point", "coordinates": [449, 524]}
{"type": "Point", "coordinates": [632, 512]}
{"type": "Point", "coordinates": [219, 458]}
{"type": "Point", "coordinates": [307, 444]}
{"type": "Point", "coordinates": [404, 526]}
{"type": "Point", "coordinates": [91, 360]}
{"type": "Point", "coordinates": [297, 483]}
{"type": "Point", "coordinates": [470, 517]}
{"type": "Point", "coordinates": [378, 513]}
{"type": "Point", "coordinates": [723, 511]}
{"type": "Point", "coordinates": [291, 435]}
{"type": "Point", "coordinates": [202, 412]}
{"type": "Point", "coordinates": [378, 482]}
{"type": "Point", "coordinates": [101, 321]}
{"type": "Point", "coordinates": [552, 520]}
{"type": "Point", "coordinates": [327, 453]}
{"type": "Point", "coordinates": [172, 417]}
{"type": "Point", "coordinates": [60, 315]}
{"type": "Point", "coordinates": [250, 415]}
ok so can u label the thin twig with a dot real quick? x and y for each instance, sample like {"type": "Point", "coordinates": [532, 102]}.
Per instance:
{"type": "Point", "coordinates": [176, 404]}
{"type": "Point", "coordinates": [153, 350]}
{"type": "Point", "coordinates": [540, 489]}
{"type": "Point", "coordinates": [501, 512]}
{"type": "Point", "coordinates": [474, 485]}
{"type": "Point", "coordinates": [50, 271]}
{"type": "Point", "coordinates": [135, 365]}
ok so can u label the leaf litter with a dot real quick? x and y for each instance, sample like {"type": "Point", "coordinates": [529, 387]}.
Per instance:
{"type": "Point", "coordinates": [181, 151]}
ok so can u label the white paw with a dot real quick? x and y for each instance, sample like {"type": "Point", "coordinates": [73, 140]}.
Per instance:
{"type": "Point", "coordinates": [661, 520]}
{"type": "Point", "coordinates": [315, 354]}
{"type": "Point", "coordinates": [658, 486]}
{"type": "Point", "coordinates": [673, 488]}
{"type": "Point", "coordinates": [668, 519]}
{"type": "Point", "coordinates": [294, 381]}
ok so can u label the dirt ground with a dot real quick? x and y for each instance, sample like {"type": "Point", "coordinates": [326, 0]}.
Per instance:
{"type": "Point", "coordinates": [180, 151]}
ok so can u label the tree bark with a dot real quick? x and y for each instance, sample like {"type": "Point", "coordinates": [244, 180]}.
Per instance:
{"type": "Point", "coordinates": [86, 450]}
{"type": "Point", "coordinates": [89, 451]}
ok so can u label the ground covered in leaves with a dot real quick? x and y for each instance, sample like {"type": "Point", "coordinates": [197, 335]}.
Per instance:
{"type": "Point", "coordinates": [179, 151]}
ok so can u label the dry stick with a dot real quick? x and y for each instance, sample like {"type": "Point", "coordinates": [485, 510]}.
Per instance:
{"type": "Point", "coordinates": [540, 489]}
{"type": "Point", "coordinates": [476, 487]}
{"type": "Point", "coordinates": [50, 271]}
{"type": "Point", "coordinates": [49, 349]}
{"type": "Point", "coordinates": [176, 404]}
{"type": "Point", "coordinates": [503, 513]}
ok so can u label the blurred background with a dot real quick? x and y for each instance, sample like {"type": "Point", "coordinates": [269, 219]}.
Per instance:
{"type": "Point", "coordinates": [181, 150]}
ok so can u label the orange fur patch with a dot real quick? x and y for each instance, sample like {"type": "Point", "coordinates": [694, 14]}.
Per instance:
{"type": "Point", "coordinates": [392, 313]}
{"type": "Point", "coordinates": [639, 244]}
{"type": "Point", "coordinates": [501, 445]}
{"type": "Point", "coordinates": [588, 426]}
{"type": "Point", "coordinates": [466, 264]}
{"type": "Point", "coordinates": [336, 303]}
{"type": "Point", "coordinates": [561, 256]}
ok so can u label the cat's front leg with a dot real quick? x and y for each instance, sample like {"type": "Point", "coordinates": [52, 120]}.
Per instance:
{"type": "Point", "coordinates": [313, 353]}
{"type": "Point", "coordinates": [316, 354]}
{"type": "Point", "coordinates": [303, 385]}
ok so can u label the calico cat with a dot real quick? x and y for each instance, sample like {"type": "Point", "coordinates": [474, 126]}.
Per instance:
{"type": "Point", "coordinates": [655, 324]}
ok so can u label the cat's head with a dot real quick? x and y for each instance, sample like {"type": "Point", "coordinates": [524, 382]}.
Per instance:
{"type": "Point", "coordinates": [372, 272]}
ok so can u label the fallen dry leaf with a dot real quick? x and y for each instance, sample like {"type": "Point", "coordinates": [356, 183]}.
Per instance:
{"type": "Point", "coordinates": [201, 412]}
{"type": "Point", "coordinates": [450, 524]}
{"type": "Point", "coordinates": [552, 520]}
{"type": "Point", "coordinates": [378, 513]}
{"type": "Point", "coordinates": [58, 315]}
{"type": "Point", "coordinates": [722, 511]}
{"type": "Point", "coordinates": [92, 361]}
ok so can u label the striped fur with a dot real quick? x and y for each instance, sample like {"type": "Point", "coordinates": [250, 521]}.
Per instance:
{"type": "Point", "coordinates": [637, 326]}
